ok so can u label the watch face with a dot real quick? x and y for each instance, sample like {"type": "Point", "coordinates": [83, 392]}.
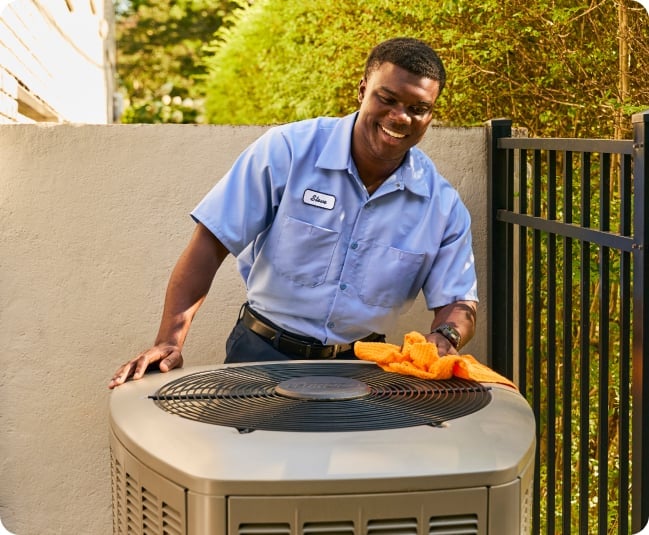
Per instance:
{"type": "Point", "coordinates": [450, 333]}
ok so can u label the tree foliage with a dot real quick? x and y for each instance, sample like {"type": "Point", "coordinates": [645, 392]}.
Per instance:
{"type": "Point", "coordinates": [557, 68]}
{"type": "Point", "coordinates": [285, 61]}
{"type": "Point", "coordinates": [160, 56]}
{"type": "Point", "coordinates": [554, 68]}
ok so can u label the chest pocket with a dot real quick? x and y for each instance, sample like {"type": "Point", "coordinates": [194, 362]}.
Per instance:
{"type": "Point", "coordinates": [389, 276]}
{"type": "Point", "coordinates": [303, 252]}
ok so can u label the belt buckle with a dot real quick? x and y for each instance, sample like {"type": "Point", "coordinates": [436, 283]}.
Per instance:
{"type": "Point", "coordinates": [299, 347]}
{"type": "Point", "coordinates": [312, 351]}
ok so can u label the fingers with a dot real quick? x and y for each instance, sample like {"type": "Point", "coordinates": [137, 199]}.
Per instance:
{"type": "Point", "coordinates": [450, 351]}
{"type": "Point", "coordinates": [173, 360]}
{"type": "Point", "coordinates": [444, 347]}
{"type": "Point", "coordinates": [169, 356]}
{"type": "Point", "coordinates": [122, 374]}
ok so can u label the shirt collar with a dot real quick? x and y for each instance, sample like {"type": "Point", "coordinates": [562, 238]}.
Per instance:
{"type": "Point", "coordinates": [337, 151]}
{"type": "Point", "coordinates": [337, 155]}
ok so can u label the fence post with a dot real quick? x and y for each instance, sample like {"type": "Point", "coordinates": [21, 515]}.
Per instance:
{"type": "Point", "coordinates": [499, 251]}
{"type": "Point", "coordinates": [640, 341]}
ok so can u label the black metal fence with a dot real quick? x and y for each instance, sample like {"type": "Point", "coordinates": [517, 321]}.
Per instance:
{"type": "Point", "coordinates": [569, 318]}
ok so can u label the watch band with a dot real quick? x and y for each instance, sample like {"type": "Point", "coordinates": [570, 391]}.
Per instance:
{"type": "Point", "coordinates": [450, 333]}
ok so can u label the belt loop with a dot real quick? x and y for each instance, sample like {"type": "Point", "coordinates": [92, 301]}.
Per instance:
{"type": "Point", "coordinates": [335, 351]}
{"type": "Point", "coordinates": [277, 339]}
{"type": "Point", "coordinates": [307, 352]}
{"type": "Point", "coordinates": [241, 310]}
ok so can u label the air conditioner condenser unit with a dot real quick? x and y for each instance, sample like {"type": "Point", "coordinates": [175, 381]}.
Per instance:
{"type": "Point", "coordinates": [318, 448]}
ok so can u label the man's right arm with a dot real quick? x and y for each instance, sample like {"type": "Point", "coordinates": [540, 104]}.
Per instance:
{"type": "Point", "coordinates": [188, 286]}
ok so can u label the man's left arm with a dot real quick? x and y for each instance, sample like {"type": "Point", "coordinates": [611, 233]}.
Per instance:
{"type": "Point", "coordinates": [453, 326]}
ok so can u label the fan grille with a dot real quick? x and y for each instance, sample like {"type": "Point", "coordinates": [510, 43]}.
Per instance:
{"type": "Point", "coordinates": [253, 398]}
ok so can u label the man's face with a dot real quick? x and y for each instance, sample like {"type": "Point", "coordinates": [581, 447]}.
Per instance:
{"type": "Point", "coordinates": [395, 111]}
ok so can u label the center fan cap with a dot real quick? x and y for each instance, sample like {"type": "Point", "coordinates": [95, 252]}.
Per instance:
{"type": "Point", "coordinates": [322, 388]}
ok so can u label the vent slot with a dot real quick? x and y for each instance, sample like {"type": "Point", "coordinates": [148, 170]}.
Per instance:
{"type": "Point", "coordinates": [454, 525]}
{"type": "Point", "coordinates": [328, 528]}
{"type": "Point", "coordinates": [264, 529]}
{"type": "Point", "coordinates": [406, 526]}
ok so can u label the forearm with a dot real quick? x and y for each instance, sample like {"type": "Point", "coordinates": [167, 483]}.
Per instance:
{"type": "Point", "coordinates": [461, 315]}
{"type": "Point", "coordinates": [183, 299]}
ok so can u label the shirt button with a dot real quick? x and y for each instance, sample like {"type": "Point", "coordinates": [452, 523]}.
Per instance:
{"type": "Point", "coordinates": [331, 325]}
{"type": "Point", "coordinates": [354, 245]}
{"type": "Point", "coordinates": [343, 286]}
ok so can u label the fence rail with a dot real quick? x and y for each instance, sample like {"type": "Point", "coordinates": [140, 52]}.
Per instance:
{"type": "Point", "coordinates": [569, 318]}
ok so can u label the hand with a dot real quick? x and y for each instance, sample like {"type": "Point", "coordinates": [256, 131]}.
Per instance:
{"type": "Point", "coordinates": [444, 347]}
{"type": "Point", "coordinates": [169, 356]}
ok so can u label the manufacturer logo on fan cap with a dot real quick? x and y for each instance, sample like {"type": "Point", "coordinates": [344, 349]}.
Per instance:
{"type": "Point", "coordinates": [322, 387]}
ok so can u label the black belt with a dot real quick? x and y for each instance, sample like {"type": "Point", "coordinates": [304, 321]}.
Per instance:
{"type": "Point", "coordinates": [294, 344]}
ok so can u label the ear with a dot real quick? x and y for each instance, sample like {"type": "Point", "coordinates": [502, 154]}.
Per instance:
{"type": "Point", "coordinates": [361, 89]}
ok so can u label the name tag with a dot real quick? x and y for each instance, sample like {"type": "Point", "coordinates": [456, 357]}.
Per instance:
{"type": "Point", "coordinates": [321, 200]}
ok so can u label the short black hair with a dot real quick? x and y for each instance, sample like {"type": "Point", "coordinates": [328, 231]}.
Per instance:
{"type": "Point", "coordinates": [410, 54]}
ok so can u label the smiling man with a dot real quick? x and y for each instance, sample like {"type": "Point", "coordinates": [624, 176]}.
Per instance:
{"type": "Point", "coordinates": [396, 104]}
{"type": "Point", "coordinates": [337, 224]}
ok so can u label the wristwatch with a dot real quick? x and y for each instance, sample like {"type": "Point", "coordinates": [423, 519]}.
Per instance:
{"type": "Point", "coordinates": [450, 333]}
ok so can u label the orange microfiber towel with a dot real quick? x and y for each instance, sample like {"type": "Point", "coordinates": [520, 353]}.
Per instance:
{"type": "Point", "coordinates": [419, 357]}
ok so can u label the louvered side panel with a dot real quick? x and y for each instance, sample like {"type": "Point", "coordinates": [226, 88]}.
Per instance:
{"type": "Point", "coordinates": [453, 512]}
{"type": "Point", "coordinates": [144, 503]}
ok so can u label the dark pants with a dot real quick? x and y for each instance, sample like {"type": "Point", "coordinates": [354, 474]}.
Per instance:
{"type": "Point", "coordinates": [243, 345]}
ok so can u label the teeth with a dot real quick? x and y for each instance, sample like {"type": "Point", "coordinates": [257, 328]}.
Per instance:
{"type": "Point", "coordinates": [393, 134]}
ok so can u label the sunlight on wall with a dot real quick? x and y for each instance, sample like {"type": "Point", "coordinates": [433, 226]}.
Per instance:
{"type": "Point", "coordinates": [57, 60]}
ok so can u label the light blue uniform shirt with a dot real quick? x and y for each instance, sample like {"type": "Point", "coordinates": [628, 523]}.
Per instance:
{"type": "Point", "coordinates": [322, 258]}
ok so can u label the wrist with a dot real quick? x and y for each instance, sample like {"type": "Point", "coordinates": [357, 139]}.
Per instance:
{"type": "Point", "coordinates": [450, 333]}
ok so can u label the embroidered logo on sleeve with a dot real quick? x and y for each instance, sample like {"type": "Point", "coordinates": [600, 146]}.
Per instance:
{"type": "Point", "coordinates": [321, 200]}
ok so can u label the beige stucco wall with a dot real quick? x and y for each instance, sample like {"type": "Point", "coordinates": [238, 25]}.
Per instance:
{"type": "Point", "coordinates": [92, 219]}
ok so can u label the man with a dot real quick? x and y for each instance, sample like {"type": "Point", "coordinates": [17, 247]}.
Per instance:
{"type": "Point", "coordinates": [337, 224]}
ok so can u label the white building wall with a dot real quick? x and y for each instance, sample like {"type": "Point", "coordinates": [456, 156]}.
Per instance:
{"type": "Point", "coordinates": [57, 61]}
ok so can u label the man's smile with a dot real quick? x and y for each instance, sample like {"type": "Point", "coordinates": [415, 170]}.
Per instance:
{"type": "Point", "coordinates": [392, 133]}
